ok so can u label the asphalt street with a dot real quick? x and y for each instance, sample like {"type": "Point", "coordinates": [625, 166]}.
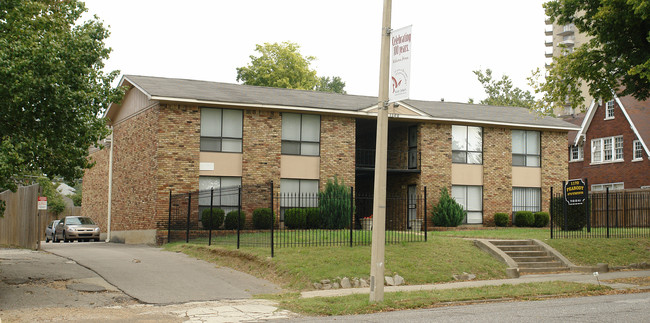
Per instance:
{"type": "Point", "coordinates": [609, 308]}
{"type": "Point", "coordinates": [154, 276]}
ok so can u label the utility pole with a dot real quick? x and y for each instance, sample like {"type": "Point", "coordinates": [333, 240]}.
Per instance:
{"type": "Point", "coordinates": [379, 200]}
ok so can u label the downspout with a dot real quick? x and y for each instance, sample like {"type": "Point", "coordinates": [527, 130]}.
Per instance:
{"type": "Point", "coordinates": [110, 185]}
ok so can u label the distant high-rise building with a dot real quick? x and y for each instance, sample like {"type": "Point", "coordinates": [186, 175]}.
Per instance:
{"type": "Point", "coordinates": [562, 40]}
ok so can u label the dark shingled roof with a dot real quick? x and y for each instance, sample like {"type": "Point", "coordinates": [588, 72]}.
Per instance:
{"type": "Point", "coordinates": [171, 89]}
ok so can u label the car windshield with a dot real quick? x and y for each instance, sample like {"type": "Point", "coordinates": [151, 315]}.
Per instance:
{"type": "Point", "coordinates": [79, 221]}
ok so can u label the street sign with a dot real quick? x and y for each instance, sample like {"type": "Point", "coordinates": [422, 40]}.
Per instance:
{"type": "Point", "coordinates": [42, 203]}
{"type": "Point", "coordinates": [400, 64]}
{"type": "Point", "coordinates": [575, 192]}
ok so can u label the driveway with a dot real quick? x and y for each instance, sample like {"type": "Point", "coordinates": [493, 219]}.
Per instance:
{"type": "Point", "coordinates": [154, 276]}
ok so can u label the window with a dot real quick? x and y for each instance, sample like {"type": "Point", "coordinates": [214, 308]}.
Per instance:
{"type": "Point", "coordinates": [466, 145]}
{"type": "Point", "coordinates": [609, 110]}
{"type": "Point", "coordinates": [577, 152]}
{"type": "Point", "coordinates": [638, 150]}
{"type": "Point", "coordinates": [413, 147]}
{"type": "Point", "coordinates": [607, 149]}
{"type": "Point", "coordinates": [526, 199]}
{"type": "Point", "coordinates": [221, 130]}
{"type": "Point", "coordinates": [611, 186]}
{"type": "Point", "coordinates": [297, 193]}
{"type": "Point", "coordinates": [525, 148]}
{"type": "Point", "coordinates": [471, 198]}
{"type": "Point", "coordinates": [300, 134]}
{"type": "Point", "coordinates": [225, 194]}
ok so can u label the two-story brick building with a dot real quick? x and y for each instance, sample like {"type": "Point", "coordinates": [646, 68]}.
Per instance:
{"type": "Point", "coordinates": [611, 147]}
{"type": "Point", "coordinates": [184, 135]}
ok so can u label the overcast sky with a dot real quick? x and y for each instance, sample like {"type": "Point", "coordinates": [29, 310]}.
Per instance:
{"type": "Point", "coordinates": [208, 40]}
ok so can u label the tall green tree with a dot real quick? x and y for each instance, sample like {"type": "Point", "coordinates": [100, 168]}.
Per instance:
{"type": "Point", "coordinates": [616, 58]}
{"type": "Point", "coordinates": [282, 65]}
{"type": "Point", "coordinates": [501, 92]}
{"type": "Point", "coordinates": [335, 84]}
{"type": "Point", "coordinates": [52, 89]}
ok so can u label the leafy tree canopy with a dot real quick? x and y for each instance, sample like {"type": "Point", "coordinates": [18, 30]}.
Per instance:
{"type": "Point", "coordinates": [616, 58]}
{"type": "Point", "coordinates": [282, 65]}
{"type": "Point", "coordinates": [502, 92]}
{"type": "Point", "coordinates": [52, 89]}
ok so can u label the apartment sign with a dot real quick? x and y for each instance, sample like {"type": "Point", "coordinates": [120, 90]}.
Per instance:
{"type": "Point", "coordinates": [400, 64]}
{"type": "Point", "coordinates": [575, 192]}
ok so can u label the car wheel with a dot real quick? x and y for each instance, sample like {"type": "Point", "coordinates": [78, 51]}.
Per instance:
{"type": "Point", "coordinates": [47, 239]}
{"type": "Point", "coordinates": [96, 240]}
{"type": "Point", "coordinates": [65, 239]}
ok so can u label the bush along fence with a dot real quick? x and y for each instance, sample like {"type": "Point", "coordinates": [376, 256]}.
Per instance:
{"type": "Point", "coordinates": [608, 214]}
{"type": "Point", "coordinates": [256, 216]}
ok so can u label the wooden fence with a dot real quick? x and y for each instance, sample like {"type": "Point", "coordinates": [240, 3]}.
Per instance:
{"type": "Point", "coordinates": [22, 225]}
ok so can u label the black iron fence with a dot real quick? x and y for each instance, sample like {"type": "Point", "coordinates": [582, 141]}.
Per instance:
{"type": "Point", "coordinates": [269, 219]}
{"type": "Point", "coordinates": [607, 214]}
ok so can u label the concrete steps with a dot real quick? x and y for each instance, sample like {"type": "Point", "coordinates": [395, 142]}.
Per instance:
{"type": "Point", "coordinates": [529, 257]}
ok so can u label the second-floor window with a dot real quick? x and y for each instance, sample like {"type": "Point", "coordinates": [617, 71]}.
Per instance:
{"type": "Point", "coordinates": [577, 152]}
{"type": "Point", "coordinates": [638, 150]}
{"type": "Point", "coordinates": [300, 134]}
{"type": "Point", "coordinates": [466, 144]}
{"type": "Point", "coordinates": [526, 148]}
{"type": "Point", "coordinates": [609, 110]}
{"type": "Point", "coordinates": [607, 149]}
{"type": "Point", "coordinates": [221, 130]}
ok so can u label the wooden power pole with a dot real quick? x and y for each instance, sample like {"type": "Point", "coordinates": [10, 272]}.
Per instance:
{"type": "Point", "coordinates": [379, 200]}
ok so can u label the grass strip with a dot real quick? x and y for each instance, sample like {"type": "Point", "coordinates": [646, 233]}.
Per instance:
{"type": "Point", "coordinates": [359, 304]}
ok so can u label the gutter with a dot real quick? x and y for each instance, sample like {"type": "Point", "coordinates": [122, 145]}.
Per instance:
{"type": "Point", "coordinates": [110, 186]}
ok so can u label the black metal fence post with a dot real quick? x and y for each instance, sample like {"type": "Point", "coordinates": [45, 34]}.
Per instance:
{"type": "Point", "coordinates": [189, 210]}
{"type": "Point", "coordinates": [607, 209]}
{"type": "Point", "coordinates": [272, 221]}
{"type": "Point", "coordinates": [169, 222]}
{"type": "Point", "coordinates": [587, 201]}
{"type": "Point", "coordinates": [550, 203]}
{"type": "Point", "coordinates": [564, 207]}
{"type": "Point", "coordinates": [351, 213]}
{"type": "Point", "coordinates": [238, 214]}
{"type": "Point", "coordinates": [425, 214]}
{"type": "Point", "coordinates": [211, 217]}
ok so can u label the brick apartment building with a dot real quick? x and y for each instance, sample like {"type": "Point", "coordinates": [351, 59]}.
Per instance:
{"type": "Point", "coordinates": [184, 135]}
{"type": "Point", "coordinates": [611, 147]}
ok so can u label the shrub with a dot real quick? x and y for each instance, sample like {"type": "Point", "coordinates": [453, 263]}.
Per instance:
{"type": "Point", "coordinates": [262, 218]}
{"type": "Point", "coordinates": [576, 217]}
{"type": "Point", "coordinates": [335, 205]}
{"type": "Point", "coordinates": [541, 219]}
{"type": "Point", "coordinates": [295, 219]}
{"type": "Point", "coordinates": [212, 220]}
{"type": "Point", "coordinates": [501, 219]}
{"type": "Point", "coordinates": [231, 220]}
{"type": "Point", "coordinates": [313, 217]}
{"type": "Point", "coordinates": [447, 213]}
{"type": "Point", "coordinates": [524, 219]}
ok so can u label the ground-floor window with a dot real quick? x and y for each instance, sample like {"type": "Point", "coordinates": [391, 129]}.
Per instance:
{"type": "Point", "coordinates": [225, 193]}
{"type": "Point", "coordinates": [297, 193]}
{"type": "Point", "coordinates": [611, 186]}
{"type": "Point", "coordinates": [471, 198]}
{"type": "Point", "coordinates": [526, 199]}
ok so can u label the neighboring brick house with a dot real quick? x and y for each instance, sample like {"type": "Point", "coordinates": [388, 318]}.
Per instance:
{"type": "Point", "coordinates": [611, 148]}
{"type": "Point", "coordinates": [184, 135]}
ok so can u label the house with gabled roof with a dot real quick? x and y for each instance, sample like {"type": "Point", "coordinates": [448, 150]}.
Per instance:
{"type": "Point", "coordinates": [176, 136]}
{"type": "Point", "coordinates": [610, 149]}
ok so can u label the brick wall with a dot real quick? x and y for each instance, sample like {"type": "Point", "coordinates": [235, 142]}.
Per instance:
{"type": "Point", "coordinates": [554, 164]}
{"type": "Point", "coordinates": [497, 172]}
{"type": "Point", "coordinates": [178, 142]}
{"type": "Point", "coordinates": [134, 172]}
{"type": "Point", "coordinates": [337, 150]}
{"type": "Point", "coordinates": [262, 145]}
{"type": "Point", "coordinates": [95, 188]}
{"type": "Point", "coordinates": [435, 145]}
{"type": "Point", "coordinates": [627, 171]}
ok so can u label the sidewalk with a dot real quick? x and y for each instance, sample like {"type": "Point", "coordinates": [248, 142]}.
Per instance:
{"type": "Point", "coordinates": [567, 277]}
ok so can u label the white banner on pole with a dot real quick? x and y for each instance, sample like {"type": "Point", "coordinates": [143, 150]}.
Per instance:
{"type": "Point", "coordinates": [400, 64]}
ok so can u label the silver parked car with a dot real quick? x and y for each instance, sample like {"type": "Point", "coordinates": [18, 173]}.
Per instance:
{"type": "Point", "coordinates": [78, 228]}
{"type": "Point", "coordinates": [49, 231]}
